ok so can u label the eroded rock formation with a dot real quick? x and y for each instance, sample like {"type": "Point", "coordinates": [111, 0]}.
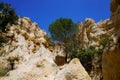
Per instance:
{"type": "Point", "coordinates": [28, 57]}
{"type": "Point", "coordinates": [90, 34]}
{"type": "Point", "coordinates": [72, 71]}
{"type": "Point", "coordinates": [111, 57]}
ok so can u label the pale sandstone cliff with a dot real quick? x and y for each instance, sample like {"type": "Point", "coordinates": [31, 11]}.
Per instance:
{"type": "Point", "coordinates": [33, 59]}
{"type": "Point", "coordinates": [26, 56]}
{"type": "Point", "coordinates": [90, 33]}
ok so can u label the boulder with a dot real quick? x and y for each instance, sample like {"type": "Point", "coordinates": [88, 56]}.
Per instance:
{"type": "Point", "coordinates": [72, 71]}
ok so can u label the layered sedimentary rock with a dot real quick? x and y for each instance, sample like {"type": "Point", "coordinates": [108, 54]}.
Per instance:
{"type": "Point", "coordinates": [90, 33]}
{"type": "Point", "coordinates": [111, 56]}
{"type": "Point", "coordinates": [28, 57]}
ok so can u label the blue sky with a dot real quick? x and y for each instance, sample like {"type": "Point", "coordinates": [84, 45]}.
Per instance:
{"type": "Point", "coordinates": [46, 11]}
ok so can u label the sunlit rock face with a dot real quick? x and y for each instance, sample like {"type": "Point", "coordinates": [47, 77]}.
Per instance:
{"type": "Point", "coordinates": [28, 57]}
{"type": "Point", "coordinates": [25, 51]}
{"type": "Point", "coordinates": [72, 71]}
{"type": "Point", "coordinates": [90, 33]}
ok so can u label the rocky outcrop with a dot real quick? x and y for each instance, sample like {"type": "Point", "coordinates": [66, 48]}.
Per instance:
{"type": "Point", "coordinates": [73, 71]}
{"type": "Point", "coordinates": [111, 56]}
{"type": "Point", "coordinates": [25, 50]}
{"type": "Point", "coordinates": [90, 33]}
{"type": "Point", "coordinates": [27, 56]}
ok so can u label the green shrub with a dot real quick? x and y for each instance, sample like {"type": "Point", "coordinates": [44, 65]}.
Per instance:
{"type": "Point", "coordinates": [3, 38]}
{"type": "Point", "coordinates": [63, 30]}
{"type": "Point", "coordinates": [49, 40]}
{"type": "Point", "coordinates": [85, 56]}
{"type": "Point", "coordinates": [3, 71]}
{"type": "Point", "coordinates": [7, 15]}
{"type": "Point", "coordinates": [104, 41]}
{"type": "Point", "coordinates": [100, 50]}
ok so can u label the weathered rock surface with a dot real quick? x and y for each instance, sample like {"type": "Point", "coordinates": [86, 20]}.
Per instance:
{"type": "Point", "coordinates": [90, 33]}
{"type": "Point", "coordinates": [73, 71]}
{"type": "Point", "coordinates": [111, 57]}
{"type": "Point", "coordinates": [27, 57]}
{"type": "Point", "coordinates": [111, 66]}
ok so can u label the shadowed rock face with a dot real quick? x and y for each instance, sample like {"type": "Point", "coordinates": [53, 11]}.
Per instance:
{"type": "Point", "coordinates": [60, 60]}
{"type": "Point", "coordinates": [111, 57]}
{"type": "Point", "coordinates": [111, 65]}
{"type": "Point", "coordinates": [115, 17]}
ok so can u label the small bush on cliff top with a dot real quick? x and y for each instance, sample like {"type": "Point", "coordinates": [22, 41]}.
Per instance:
{"type": "Point", "coordinates": [7, 15]}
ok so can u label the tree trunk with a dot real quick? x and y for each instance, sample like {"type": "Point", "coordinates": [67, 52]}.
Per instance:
{"type": "Point", "coordinates": [66, 56]}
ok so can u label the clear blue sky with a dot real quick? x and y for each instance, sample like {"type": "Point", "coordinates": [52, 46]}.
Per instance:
{"type": "Point", "coordinates": [46, 11]}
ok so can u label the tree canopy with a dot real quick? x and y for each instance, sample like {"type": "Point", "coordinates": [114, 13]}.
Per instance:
{"type": "Point", "coordinates": [62, 29]}
{"type": "Point", "coordinates": [7, 15]}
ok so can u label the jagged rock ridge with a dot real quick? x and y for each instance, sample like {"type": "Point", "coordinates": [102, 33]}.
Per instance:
{"type": "Point", "coordinates": [26, 57]}
{"type": "Point", "coordinates": [90, 33]}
